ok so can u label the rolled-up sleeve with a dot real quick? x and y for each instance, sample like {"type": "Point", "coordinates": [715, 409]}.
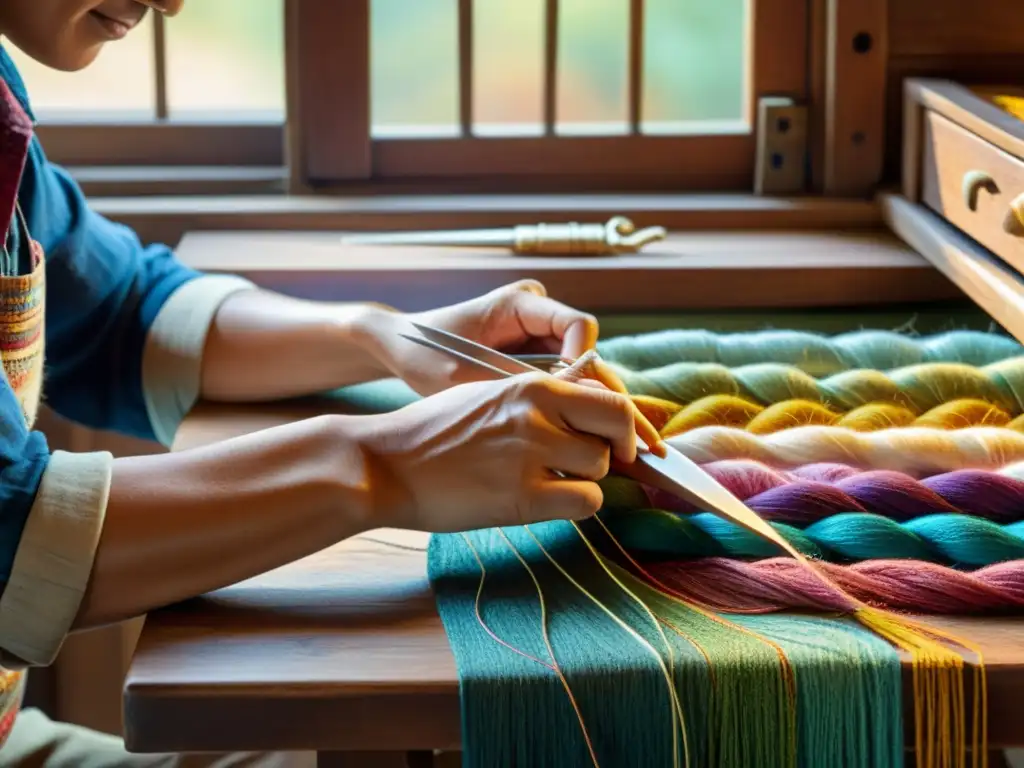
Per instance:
{"type": "Point", "coordinates": [173, 353]}
{"type": "Point", "coordinates": [53, 560]}
{"type": "Point", "coordinates": [51, 513]}
{"type": "Point", "coordinates": [126, 323]}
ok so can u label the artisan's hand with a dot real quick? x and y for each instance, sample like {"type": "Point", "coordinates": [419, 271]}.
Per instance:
{"type": "Point", "coordinates": [517, 318]}
{"type": "Point", "coordinates": [486, 453]}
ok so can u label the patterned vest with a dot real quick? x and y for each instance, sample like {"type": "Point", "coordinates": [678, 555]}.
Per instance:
{"type": "Point", "coordinates": [22, 302]}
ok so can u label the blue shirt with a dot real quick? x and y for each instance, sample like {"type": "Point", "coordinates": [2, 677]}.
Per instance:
{"type": "Point", "coordinates": [103, 291]}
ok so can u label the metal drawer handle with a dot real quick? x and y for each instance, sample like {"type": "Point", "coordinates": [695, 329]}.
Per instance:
{"type": "Point", "coordinates": [1014, 223]}
{"type": "Point", "coordinates": [973, 183]}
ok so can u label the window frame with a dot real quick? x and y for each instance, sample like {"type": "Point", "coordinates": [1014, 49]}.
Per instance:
{"type": "Point", "coordinates": [331, 148]}
{"type": "Point", "coordinates": [163, 140]}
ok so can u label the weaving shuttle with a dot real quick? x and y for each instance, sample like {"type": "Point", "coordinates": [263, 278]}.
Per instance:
{"type": "Point", "coordinates": [617, 236]}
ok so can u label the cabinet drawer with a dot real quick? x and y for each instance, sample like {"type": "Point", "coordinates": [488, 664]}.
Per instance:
{"type": "Point", "coordinates": [974, 185]}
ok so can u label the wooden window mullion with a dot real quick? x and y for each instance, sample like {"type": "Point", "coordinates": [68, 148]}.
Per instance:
{"type": "Point", "coordinates": [550, 66]}
{"type": "Point", "coordinates": [636, 63]}
{"type": "Point", "coordinates": [466, 67]}
{"type": "Point", "coordinates": [160, 66]}
{"type": "Point", "coordinates": [328, 74]}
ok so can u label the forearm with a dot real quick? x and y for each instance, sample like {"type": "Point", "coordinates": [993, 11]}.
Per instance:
{"type": "Point", "coordinates": [182, 524]}
{"type": "Point", "coordinates": [264, 346]}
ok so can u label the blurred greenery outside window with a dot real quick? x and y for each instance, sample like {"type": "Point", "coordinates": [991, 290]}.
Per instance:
{"type": "Point", "coordinates": [225, 63]}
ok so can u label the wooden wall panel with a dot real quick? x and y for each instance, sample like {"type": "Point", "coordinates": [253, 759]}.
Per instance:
{"type": "Point", "coordinates": [942, 27]}
{"type": "Point", "coordinates": [971, 41]}
{"type": "Point", "coordinates": [856, 55]}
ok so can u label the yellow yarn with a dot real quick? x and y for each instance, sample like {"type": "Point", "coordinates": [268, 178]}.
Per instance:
{"type": "Point", "coordinates": [919, 387]}
{"type": "Point", "coordinates": [731, 411]}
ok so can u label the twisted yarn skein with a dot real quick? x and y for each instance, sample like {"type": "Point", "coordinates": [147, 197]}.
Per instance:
{"type": "Point", "coordinates": [816, 354]}
{"type": "Point", "coordinates": [779, 584]}
{"type": "Point", "coordinates": [917, 451]}
{"type": "Point", "coordinates": [846, 537]}
{"type": "Point", "coordinates": [812, 492]}
{"type": "Point", "coordinates": [732, 411]}
{"type": "Point", "coordinates": [918, 388]}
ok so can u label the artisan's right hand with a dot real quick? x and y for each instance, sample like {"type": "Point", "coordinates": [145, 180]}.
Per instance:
{"type": "Point", "coordinates": [485, 454]}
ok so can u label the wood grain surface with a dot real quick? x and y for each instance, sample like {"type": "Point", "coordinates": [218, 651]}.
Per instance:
{"type": "Point", "coordinates": [696, 270]}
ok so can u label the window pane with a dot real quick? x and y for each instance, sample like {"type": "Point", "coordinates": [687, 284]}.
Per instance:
{"type": "Point", "coordinates": [508, 67]}
{"type": "Point", "coordinates": [414, 56]}
{"type": "Point", "coordinates": [695, 63]}
{"type": "Point", "coordinates": [119, 85]}
{"type": "Point", "coordinates": [593, 66]}
{"type": "Point", "coordinates": [225, 60]}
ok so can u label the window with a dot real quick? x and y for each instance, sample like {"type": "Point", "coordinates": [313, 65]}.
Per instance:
{"type": "Point", "coordinates": [206, 88]}
{"type": "Point", "coordinates": [656, 94]}
{"type": "Point", "coordinates": [506, 95]}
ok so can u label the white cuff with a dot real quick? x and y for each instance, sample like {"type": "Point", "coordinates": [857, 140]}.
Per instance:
{"type": "Point", "coordinates": [172, 358]}
{"type": "Point", "coordinates": [55, 557]}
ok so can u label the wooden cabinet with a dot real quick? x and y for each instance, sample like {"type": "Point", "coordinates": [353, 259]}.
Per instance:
{"type": "Point", "coordinates": [964, 159]}
{"type": "Point", "coordinates": [975, 186]}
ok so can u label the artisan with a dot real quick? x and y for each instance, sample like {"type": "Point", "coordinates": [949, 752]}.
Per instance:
{"type": "Point", "coordinates": [120, 336]}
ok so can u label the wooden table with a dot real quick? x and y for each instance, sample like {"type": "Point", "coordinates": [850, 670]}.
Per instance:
{"type": "Point", "coordinates": [344, 651]}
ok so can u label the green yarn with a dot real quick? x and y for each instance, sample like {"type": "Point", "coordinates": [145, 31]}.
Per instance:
{"type": "Point", "coordinates": [815, 354]}
{"type": "Point", "coordinates": [847, 537]}
{"type": "Point", "coordinates": [732, 687]}
{"type": "Point", "coordinates": [920, 387]}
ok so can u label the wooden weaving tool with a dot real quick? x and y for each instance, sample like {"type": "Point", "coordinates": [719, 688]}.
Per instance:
{"type": "Point", "coordinates": [618, 235]}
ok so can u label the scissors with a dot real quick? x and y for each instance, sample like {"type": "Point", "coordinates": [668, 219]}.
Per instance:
{"type": "Point", "coordinates": [673, 473]}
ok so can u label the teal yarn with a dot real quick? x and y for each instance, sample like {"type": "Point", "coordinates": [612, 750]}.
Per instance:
{"type": "Point", "coordinates": [515, 711]}
{"type": "Point", "coordinates": [921, 387]}
{"type": "Point", "coordinates": [815, 354]}
{"type": "Point", "coordinates": [947, 539]}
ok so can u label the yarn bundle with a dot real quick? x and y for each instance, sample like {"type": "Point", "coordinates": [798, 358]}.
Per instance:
{"type": "Point", "coordinates": [658, 634]}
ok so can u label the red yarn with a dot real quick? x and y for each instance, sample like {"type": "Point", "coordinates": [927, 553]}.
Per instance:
{"type": "Point", "coordinates": [767, 586]}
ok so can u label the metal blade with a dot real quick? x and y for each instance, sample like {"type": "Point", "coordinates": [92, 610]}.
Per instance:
{"type": "Point", "coordinates": [678, 475]}
{"type": "Point", "coordinates": [479, 352]}
{"type": "Point", "coordinates": [424, 342]}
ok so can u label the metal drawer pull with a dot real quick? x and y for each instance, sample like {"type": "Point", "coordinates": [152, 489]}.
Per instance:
{"type": "Point", "coordinates": [973, 183]}
{"type": "Point", "coordinates": [1014, 222]}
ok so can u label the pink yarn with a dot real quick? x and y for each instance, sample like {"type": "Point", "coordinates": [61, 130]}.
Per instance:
{"type": "Point", "coordinates": [810, 493]}
{"type": "Point", "coordinates": [778, 584]}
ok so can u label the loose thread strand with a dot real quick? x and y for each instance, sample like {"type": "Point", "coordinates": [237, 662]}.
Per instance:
{"type": "Point", "coordinates": [553, 666]}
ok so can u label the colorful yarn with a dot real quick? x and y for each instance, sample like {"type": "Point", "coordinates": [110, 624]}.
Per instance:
{"type": "Point", "coordinates": [781, 584]}
{"type": "Point", "coordinates": [815, 354]}
{"type": "Point", "coordinates": [914, 450]}
{"type": "Point", "coordinates": [812, 492]}
{"type": "Point", "coordinates": [572, 651]}
{"type": "Point", "coordinates": [943, 538]}
{"type": "Point", "coordinates": [918, 388]}
{"type": "Point", "coordinates": [767, 691]}
{"type": "Point", "coordinates": [731, 411]}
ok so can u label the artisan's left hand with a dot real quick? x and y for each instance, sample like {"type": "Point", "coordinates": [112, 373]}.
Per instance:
{"type": "Point", "coordinates": [517, 318]}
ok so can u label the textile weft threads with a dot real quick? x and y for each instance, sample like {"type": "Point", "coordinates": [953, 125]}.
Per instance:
{"type": "Point", "coordinates": [657, 635]}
